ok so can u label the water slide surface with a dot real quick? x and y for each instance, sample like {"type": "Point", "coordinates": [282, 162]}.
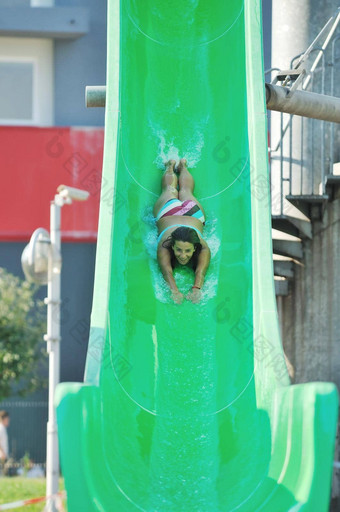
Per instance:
{"type": "Point", "coordinates": [188, 407]}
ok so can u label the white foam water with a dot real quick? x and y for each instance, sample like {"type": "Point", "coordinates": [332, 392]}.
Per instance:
{"type": "Point", "coordinates": [167, 149]}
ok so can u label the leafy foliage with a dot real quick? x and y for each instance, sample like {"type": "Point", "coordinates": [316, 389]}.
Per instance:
{"type": "Point", "coordinates": [22, 324]}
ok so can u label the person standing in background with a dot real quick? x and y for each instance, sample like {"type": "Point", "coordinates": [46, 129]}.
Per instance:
{"type": "Point", "coordinates": [4, 423]}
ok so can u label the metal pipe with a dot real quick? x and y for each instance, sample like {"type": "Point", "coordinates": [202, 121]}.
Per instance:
{"type": "Point", "coordinates": [95, 96]}
{"type": "Point", "coordinates": [303, 103]}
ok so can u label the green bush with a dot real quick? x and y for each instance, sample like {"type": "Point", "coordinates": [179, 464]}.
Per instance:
{"type": "Point", "coordinates": [22, 325]}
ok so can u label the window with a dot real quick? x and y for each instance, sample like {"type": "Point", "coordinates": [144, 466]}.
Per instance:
{"type": "Point", "coordinates": [26, 81]}
{"type": "Point", "coordinates": [16, 90]}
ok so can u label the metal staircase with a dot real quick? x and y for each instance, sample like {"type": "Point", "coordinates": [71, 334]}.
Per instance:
{"type": "Point", "coordinates": [305, 163]}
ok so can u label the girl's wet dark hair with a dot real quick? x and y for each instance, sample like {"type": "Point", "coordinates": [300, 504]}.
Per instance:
{"type": "Point", "coordinates": [183, 234]}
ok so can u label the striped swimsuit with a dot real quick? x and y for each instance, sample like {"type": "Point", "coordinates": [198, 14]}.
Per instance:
{"type": "Point", "coordinates": [183, 208]}
{"type": "Point", "coordinates": [186, 208]}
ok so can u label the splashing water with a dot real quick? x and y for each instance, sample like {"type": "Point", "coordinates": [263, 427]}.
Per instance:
{"type": "Point", "coordinates": [167, 149]}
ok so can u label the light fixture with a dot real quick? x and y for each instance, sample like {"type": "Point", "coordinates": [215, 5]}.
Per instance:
{"type": "Point", "coordinates": [35, 259]}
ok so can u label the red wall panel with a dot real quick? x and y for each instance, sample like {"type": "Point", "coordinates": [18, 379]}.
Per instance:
{"type": "Point", "coordinates": [34, 161]}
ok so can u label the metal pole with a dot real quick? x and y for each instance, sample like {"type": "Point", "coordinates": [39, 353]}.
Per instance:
{"type": "Point", "coordinates": [281, 168]}
{"type": "Point", "coordinates": [53, 349]}
{"type": "Point", "coordinates": [311, 170]}
{"type": "Point", "coordinates": [322, 138]}
{"type": "Point", "coordinates": [331, 149]}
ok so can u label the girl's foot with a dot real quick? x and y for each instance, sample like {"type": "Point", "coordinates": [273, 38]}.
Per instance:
{"type": "Point", "coordinates": [170, 166]}
{"type": "Point", "coordinates": [182, 165]}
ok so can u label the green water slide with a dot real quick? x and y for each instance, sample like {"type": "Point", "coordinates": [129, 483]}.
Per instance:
{"type": "Point", "coordinates": [188, 408]}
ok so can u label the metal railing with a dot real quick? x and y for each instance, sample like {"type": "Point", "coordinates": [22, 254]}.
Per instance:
{"type": "Point", "coordinates": [303, 151]}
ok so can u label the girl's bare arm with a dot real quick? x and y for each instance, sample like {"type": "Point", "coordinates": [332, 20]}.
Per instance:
{"type": "Point", "coordinates": [202, 266]}
{"type": "Point", "coordinates": [164, 261]}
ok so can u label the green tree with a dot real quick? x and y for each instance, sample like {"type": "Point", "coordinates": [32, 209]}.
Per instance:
{"type": "Point", "coordinates": [22, 325]}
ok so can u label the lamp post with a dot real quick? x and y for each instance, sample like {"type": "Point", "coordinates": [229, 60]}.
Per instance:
{"type": "Point", "coordinates": [41, 263]}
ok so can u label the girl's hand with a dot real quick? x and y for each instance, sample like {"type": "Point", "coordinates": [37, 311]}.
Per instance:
{"type": "Point", "coordinates": [177, 297]}
{"type": "Point", "coordinates": [194, 295]}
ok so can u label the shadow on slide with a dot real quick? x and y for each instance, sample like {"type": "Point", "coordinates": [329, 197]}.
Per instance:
{"type": "Point", "coordinates": [188, 407]}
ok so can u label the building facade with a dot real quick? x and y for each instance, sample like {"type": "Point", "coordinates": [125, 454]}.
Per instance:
{"type": "Point", "coordinates": [49, 52]}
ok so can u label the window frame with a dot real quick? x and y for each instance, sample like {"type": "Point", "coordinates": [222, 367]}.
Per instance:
{"type": "Point", "coordinates": [39, 53]}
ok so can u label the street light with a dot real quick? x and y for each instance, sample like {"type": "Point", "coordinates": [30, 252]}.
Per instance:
{"type": "Point", "coordinates": [41, 262]}
{"type": "Point", "coordinates": [36, 256]}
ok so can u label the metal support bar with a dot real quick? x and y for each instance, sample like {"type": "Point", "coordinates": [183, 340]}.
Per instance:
{"type": "Point", "coordinates": [303, 103]}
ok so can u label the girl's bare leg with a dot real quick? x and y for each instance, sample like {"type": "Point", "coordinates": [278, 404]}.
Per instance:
{"type": "Point", "coordinates": [186, 181]}
{"type": "Point", "coordinates": [169, 187]}
{"type": "Point", "coordinates": [186, 184]}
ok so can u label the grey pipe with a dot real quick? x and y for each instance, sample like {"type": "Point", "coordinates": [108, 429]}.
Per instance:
{"type": "Point", "coordinates": [95, 96]}
{"type": "Point", "coordinates": [303, 103]}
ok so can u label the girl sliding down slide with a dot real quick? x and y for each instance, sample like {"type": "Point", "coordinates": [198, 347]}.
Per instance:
{"type": "Point", "coordinates": [180, 220]}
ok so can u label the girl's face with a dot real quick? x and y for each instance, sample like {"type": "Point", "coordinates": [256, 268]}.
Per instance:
{"type": "Point", "coordinates": [183, 251]}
